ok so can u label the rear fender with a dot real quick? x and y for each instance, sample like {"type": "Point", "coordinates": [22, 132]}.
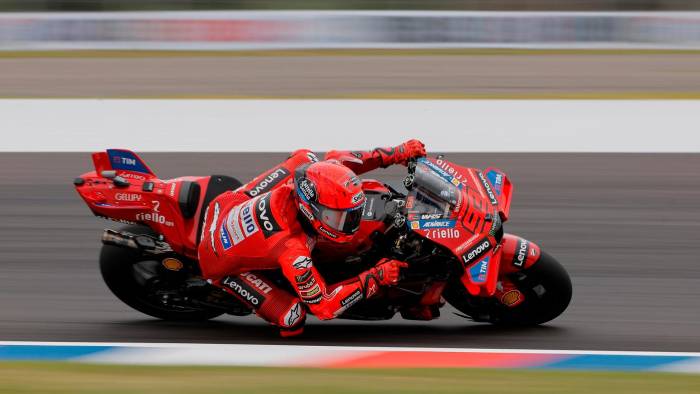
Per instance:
{"type": "Point", "coordinates": [155, 203]}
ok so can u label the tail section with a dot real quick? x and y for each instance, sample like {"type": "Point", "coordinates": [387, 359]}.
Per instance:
{"type": "Point", "coordinates": [125, 162]}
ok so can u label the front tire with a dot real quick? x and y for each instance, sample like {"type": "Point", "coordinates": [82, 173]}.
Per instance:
{"type": "Point", "coordinates": [127, 272]}
{"type": "Point", "coordinates": [547, 289]}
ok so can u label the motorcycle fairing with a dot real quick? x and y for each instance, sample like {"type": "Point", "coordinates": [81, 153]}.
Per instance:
{"type": "Point", "coordinates": [143, 199]}
{"type": "Point", "coordinates": [462, 209]}
{"type": "Point", "coordinates": [502, 189]}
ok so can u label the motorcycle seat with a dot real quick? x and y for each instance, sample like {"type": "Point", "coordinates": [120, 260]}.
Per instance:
{"type": "Point", "coordinates": [218, 184]}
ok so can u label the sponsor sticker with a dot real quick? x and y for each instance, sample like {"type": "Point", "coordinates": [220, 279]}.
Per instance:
{"type": "Point", "coordinates": [312, 157]}
{"type": "Point", "coordinates": [268, 182]}
{"type": "Point", "coordinates": [314, 300]}
{"type": "Point", "coordinates": [511, 298]}
{"type": "Point", "coordinates": [292, 317]}
{"type": "Point", "coordinates": [233, 225]}
{"type": "Point", "coordinates": [447, 166]}
{"type": "Point", "coordinates": [326, 232]}
{"type": "Point", "coordinates": [441, 172]}
{"type": "Point", "coordinates": [303, 277]}
{"type": "Point", "coordinates": [172, 264]}
{"type": "Point", "coordinates": [487, 188]}
{"type": "Point", "coordinates": [410, 201]}
{"type": "Point", "coordinates": [224, 237]}
{"type": "Point", "coordinates": [478, 271]}
{"type": "Point", "coordinates": [264, 214]}
{"type": "Point", "coordinates": [431, 224]}
{"type": "Point", "coordinates": [312, 292]}
{"type": "Point", "coordinates": [521, 250]}
{"type": "Point", "coordinates": [476, 251]}
{"type": "Point", "coordinates": [127, 197]}
{"type": "Point", "coordinates": [154, 217]}
{"type": "Point", "coordinates": [467, 243]}
{"type": "Point", "coordinates": [130, 175]}
{"type": "Point", "coordinates": [495, 224]}
{"type": "Point", "coordinates": [357, 198]}
{"type": "Point", "coordinates": [307, 285]}
{"type": "Point", "coordinates": [496, 179]}
{"type": "Point", "coordinates": [125, 160]}
{"type": "Point", "coordinates": [244, 291]}
{"type": "Point", "coordinates": [306, 212]}
{"type": "Point", "coordinates": [247, 222]}
{"type": "Point", "coordinates": [448, 233]}
{"type": "Point", "coordinates": [307, 189]}
{"type": "Point", "coordinates": [302, 262]}
{"type": "Point", "coordinates": [257, 282]}
{"type": "Point", "coordinates": [352, 299]}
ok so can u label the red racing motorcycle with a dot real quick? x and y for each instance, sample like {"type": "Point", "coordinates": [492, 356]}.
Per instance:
{"type": "Point", "coordinates": [448, 227]}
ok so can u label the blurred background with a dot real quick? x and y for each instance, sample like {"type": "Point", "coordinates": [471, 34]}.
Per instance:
{"type": "Point", "coordinates": [507, 5]}
{"type": "Point", "coordinates": [350, 49]}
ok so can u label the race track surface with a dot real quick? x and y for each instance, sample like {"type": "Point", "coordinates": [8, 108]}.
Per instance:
{"type": "Point", "coordinates": [408, 74]}
{"type": "Point", "coordinates": [626, 226]}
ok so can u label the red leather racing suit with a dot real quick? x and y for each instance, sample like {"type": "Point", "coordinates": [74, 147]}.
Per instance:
{"type": "Point", "coordinates": [256, 228]}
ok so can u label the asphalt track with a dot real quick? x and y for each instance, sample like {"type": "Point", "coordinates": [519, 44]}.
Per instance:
{"type": "Point", "coordinates": [626, 226]}
{"type": "Point", "coordinates": [353, 74]}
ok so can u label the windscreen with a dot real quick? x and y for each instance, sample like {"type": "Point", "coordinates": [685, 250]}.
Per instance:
{"type": "Point", "coordinates": [433, 193]}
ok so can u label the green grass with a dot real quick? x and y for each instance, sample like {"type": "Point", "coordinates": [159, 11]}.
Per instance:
{"type": "Point", "coordinates": [603, 95]}
{"type": "Point", "coordinates": [83, 378]}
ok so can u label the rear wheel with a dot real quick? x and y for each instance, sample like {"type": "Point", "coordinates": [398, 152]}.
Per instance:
{"type": "Point", "coordinates": [546, 287]}
{"type": "Point", "coordinates": [139, 281]}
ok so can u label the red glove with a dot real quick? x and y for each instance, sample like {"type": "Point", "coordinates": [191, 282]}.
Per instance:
{"type": "Point", "coordinates": [385, 273]}
{"type": "Point", "coordinates": [408, 150]}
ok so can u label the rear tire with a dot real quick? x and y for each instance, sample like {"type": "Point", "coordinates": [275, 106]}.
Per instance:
{"type": "Point", "coordinates": [547, 289]}
{"type": "Point", "coordinates": [121, 267]}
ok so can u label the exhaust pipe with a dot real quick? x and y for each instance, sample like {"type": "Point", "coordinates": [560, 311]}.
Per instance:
{"type": "Point", "coordinates": [114, 238]}
{"type": "Point", "coordinates": [143, 243]}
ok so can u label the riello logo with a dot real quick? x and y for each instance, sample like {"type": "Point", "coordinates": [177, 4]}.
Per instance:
{"type": "Point", "coordinates": [154, 217]}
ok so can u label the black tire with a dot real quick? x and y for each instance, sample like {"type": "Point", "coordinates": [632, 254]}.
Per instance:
{"type": "Point", "coordinates": [119, 268]}
{"type": "Point", "coordinates": [546, 287]}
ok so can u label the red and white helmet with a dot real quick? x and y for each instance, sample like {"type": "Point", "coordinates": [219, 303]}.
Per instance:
{"type": "Point", "coordinates": [330, 196]}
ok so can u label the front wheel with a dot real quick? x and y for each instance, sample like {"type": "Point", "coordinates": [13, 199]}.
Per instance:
{"type": "Point", "coordinates": [547, 289]}
{"type": "Point", "coordinates": [137, 280]}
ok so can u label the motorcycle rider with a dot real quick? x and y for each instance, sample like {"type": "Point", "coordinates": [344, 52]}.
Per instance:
{"type": "Point", "coordinates": [273, 222]}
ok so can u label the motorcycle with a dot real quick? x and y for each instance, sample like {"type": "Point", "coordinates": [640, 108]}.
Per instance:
{"type": "Point", "coordinates": [448, 227]}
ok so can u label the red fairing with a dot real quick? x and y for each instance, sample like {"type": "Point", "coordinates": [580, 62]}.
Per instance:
{"type": "Point", "coordinates": [518, 254]}
{"type": "Point", "coordinates": [135, 195]}
{"type": "Point", "coordinates": [502, 188]}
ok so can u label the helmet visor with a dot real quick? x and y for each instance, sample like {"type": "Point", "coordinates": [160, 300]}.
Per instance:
{"type": "Point", "coordinates": [346, 221]}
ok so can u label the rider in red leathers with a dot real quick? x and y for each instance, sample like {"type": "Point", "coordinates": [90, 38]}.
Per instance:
{"type": "Point", "coordinates": [273, 222]}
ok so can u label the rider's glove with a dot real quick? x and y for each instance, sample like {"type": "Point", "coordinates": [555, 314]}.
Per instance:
{"type": "Point", "coordinates": [385, 273]}
{"type": "Point", "coordinates": [401, 153]}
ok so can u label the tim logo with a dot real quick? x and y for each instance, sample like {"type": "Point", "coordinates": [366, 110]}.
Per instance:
{"type": "Point", "coordinates": [123, 160]}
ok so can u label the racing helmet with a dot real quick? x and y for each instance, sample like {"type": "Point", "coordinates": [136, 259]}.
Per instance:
{"type": "Point", "coordinates": [330, 197]}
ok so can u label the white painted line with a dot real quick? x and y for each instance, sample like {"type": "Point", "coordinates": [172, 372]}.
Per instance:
{"type": "Point", "coordinates": [321, 125]}
{"type": "Point", "coordinates": [313, 348]}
